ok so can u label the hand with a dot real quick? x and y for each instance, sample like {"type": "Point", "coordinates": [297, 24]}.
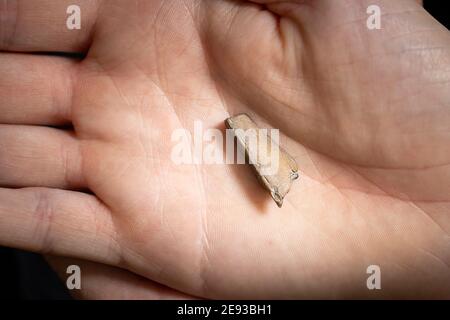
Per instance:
{"type": "Point", "coordinates": [364, 112]}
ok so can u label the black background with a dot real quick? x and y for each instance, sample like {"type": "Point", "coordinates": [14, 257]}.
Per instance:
{"type": "Point", "coordinates": [25, 275]}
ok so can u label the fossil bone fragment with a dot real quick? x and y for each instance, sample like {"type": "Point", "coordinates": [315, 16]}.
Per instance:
{"type": "Point", "coordinates": [275, 168]}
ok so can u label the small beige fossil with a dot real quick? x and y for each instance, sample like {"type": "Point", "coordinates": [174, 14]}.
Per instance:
{"type": "Point", "coordinates": [261, 157]}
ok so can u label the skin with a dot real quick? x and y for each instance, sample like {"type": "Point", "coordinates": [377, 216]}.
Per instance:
{"type": "Point", "coordinates": [85, 165]}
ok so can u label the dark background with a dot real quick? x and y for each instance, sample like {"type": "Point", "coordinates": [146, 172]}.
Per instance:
{"type": "Point", "coordinates": [26, 275]}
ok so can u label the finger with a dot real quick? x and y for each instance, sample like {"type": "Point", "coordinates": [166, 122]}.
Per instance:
{"type": "Point", "coordinates": [35, 89]}
{"type": "Point", "coordinates": [58, 222]}
{"type": "Point", "coordinates": [102, 282]}
{"type": "Point", "coordinates": [41, 25]}
{"type": "Point", "coordinates": [39, 156]}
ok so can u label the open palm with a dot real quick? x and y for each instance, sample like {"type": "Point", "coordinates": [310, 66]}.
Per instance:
{"type": "Point", "coordinates": [364, 112]}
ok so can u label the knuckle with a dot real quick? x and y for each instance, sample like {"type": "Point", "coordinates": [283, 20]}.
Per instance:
{"type": "Point", "coordinates": [44, 216]}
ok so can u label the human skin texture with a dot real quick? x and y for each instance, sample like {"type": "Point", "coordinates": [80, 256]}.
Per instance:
{"type": "Point", "coordinates": [85, 144]}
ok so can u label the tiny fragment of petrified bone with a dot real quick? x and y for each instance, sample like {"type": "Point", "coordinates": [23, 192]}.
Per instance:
{"type": "Point", "coordinates": [275, 168]}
